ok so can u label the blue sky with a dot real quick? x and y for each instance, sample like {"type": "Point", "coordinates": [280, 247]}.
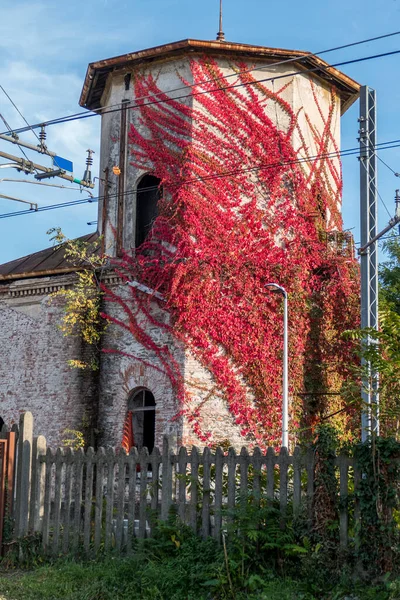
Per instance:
{"type": "Point", "coordinates": [45, 47]}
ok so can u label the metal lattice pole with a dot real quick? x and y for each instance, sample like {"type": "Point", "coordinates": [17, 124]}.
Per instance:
{"type": "Point", "coordinates": [369, 259]}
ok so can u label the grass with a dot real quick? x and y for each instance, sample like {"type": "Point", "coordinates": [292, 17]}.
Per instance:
{"type": "Point", "coordinates": [134, 578]}
{"type": "Point", "coordinates": [177, 565]}
{"type": "Point", "coordinates": [118, 579]}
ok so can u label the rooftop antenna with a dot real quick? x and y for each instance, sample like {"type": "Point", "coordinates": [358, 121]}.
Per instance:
{"type": "Point", "coordinates": [220, 34]}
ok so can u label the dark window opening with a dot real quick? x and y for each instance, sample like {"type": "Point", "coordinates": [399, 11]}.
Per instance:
{"type": "Point", "coordinates": [147, 197]}
{"type": "Point", "coordinates": [127, 81]}
{"type": "Point", "coordinates": [143, 407]}
{"type": "Point", "coordinates": [1, 423]}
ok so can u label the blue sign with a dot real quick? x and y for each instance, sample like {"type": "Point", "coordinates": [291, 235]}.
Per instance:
{"type": "Point", "coordinates": [63, 163]}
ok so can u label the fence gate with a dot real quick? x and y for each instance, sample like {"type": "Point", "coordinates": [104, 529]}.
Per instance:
{"type": "Point", "coordinates": [7, 462]}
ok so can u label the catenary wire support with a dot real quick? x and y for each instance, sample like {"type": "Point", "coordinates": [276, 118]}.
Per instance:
{"type": "Point", "coordinates": [369, 259]}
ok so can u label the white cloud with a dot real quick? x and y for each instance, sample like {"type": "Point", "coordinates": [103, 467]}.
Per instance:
{"type": "Point", "coordinates": [57, 33]}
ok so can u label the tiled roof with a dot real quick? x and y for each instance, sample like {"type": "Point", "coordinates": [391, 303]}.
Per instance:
{"type": "Point", "coordinates": [98, 72]}
{"type": "Point", "coordinates": [50, 261]}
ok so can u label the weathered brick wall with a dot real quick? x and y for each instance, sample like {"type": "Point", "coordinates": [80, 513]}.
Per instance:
{"type": "Point", "coordinates": [121, 375]}
{"type": "Point", "coordinates": [34, 374]}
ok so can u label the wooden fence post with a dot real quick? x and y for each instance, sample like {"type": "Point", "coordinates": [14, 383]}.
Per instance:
{"type": "Point", "coordinates": [182, 466]}
{"type": "Point", "coordinates": [296, 481]}
{"type": "Point", "coordinates": [133, 461]}
{"type": "Point", "coordinates": [244, 461]}
{"type": "Point", "coordinates": [57, 500]}
{"type": "Point", "coordinates": [144, 462]}
{"type": "Point", "coordinates": [166, 485]}
{"type": "Point", "coordinates": [110, 458]}
{"type": "Point", "coordinates": [194, 487]}
{"type": "Point", "coordinates": [98, 510]}
{"type": "Point", "coordinates": [271, 459]}
{"type": "Point", "coordinates": [37, 484]}
{"type": "Point", "coordinates": [206, 493]}
{"type": "Point", "coordinates": [69, 463]}
{"type": "Point", "coordinates": [283, 484]}
{"type": "Point", "coordinates": [219, 467]}
{"type": "Point", "coordinates": [24, 467]}
{"type": "Point", "coordinates": [88, 498]}
{"type": "Point", "coordinates": [257, 462]}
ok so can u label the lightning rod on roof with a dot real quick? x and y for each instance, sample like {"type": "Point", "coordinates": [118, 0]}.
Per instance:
{"type": "Point", "coordinates": [220, 34]}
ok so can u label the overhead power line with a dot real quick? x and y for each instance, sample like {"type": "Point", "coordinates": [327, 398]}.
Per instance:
{"type": "Point", "coordinates": [343, 153]}
{"type": "Point", "coordinates": [118, 108]}
{"type": "Point", "coordinates": [19, 146]}
{"type": "Point", "coordinates": [18, 111]}
{"type": "Point", "coordinates": [297, 58]}
{"type": "Point", "coordinates": [388, 166]}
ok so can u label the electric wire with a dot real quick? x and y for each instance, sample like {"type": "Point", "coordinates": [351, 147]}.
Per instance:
{"type": "Point", "coordinates": [388, 166]}
{"type": "Point", "coordinates": [377, 191]}
{"type": "Point", "coordinates": [54, 185]}
{"type": "Point", "coordinates": [298, 58]}
{"type": "Point", "coordinates": [86, 115]}
{"type": "Point", "coordinates": [383, 202]}
{"type": "Point", "coordinates": [19, 146]}
{"type": "Point", "coordinates": [8, 125]}
{"type": "Point", "coordinates": [11, 130]}
{"type": "Point", "coordinates": [18, 111]}
{"type": "Point", "coordinates": [343, 153]}
{"type": "Point", "coordinates": [388, 237]}
{"type": "Point", "coordinates": [349, 152]}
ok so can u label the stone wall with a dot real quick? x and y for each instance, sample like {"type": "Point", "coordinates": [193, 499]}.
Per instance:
{"type": "Point", "coordinates": [34, 354]}
{"type": "Point", "coordinates": [35, 375]}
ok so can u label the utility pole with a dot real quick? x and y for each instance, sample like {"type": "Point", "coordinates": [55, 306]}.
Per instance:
{"type": "Point", "coordinates": [368, 252]}
{"type": "Point", "coordinates": [369, 256]}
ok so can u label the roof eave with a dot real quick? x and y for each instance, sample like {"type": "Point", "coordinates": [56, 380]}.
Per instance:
{"type": "Point", "coordinates": [34, 274]}
{"type": "Point", "coordinates": [350, 88]}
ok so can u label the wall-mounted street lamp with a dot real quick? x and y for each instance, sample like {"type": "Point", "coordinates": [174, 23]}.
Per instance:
{"type": "Point", "coordinates": [278, 289]}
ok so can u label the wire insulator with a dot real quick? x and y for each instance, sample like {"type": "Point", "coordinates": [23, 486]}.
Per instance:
{"type": "Point", "coordinates": [42, 134]}
{"type": "Point", "coordinates": [89, 159]}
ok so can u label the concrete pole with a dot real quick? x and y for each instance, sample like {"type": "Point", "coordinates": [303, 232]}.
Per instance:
{"type": "Point", "coordinates": [285, 395]}
{"type": "Point", "coordinates": [274, 287]}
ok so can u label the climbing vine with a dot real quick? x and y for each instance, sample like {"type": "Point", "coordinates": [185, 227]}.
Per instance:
{"type": "Point", "coordinates": [238, 211]}
{"type": "Point", "coordinates": [82, 301]}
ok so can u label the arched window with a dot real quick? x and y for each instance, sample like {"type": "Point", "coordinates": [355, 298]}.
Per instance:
{"type": "Point", "coordinates": [147, 196]}
{"type": "Point", "coordinates": [142, 405]}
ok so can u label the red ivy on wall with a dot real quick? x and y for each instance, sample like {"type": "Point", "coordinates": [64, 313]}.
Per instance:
{"type": "Point", "coordinates": [239, 211]}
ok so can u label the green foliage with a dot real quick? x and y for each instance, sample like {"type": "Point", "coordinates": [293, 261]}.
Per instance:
{"type": "Point", "coordinates": [24, 552]}
{"type": "Point", "coordinates": [258, 541]}
{"type": "Point", "coordinates": [378, 497]}
{"type": "Point", "coordinates": [75, 439]}
{"type": "Point", "coordinates": [325, 500]}
{"type": "Point", "coordinates": [82, 302]}
{"type": "Point", "coordinates": [259, 559]}
{"type": "Point", "coordinates": [389, 275]}
{"type": "Point", "coordinates": [383, 350]}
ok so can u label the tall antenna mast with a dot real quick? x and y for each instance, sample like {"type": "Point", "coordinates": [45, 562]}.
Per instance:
{"type": "Point", "coordinates": [220, 34]}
